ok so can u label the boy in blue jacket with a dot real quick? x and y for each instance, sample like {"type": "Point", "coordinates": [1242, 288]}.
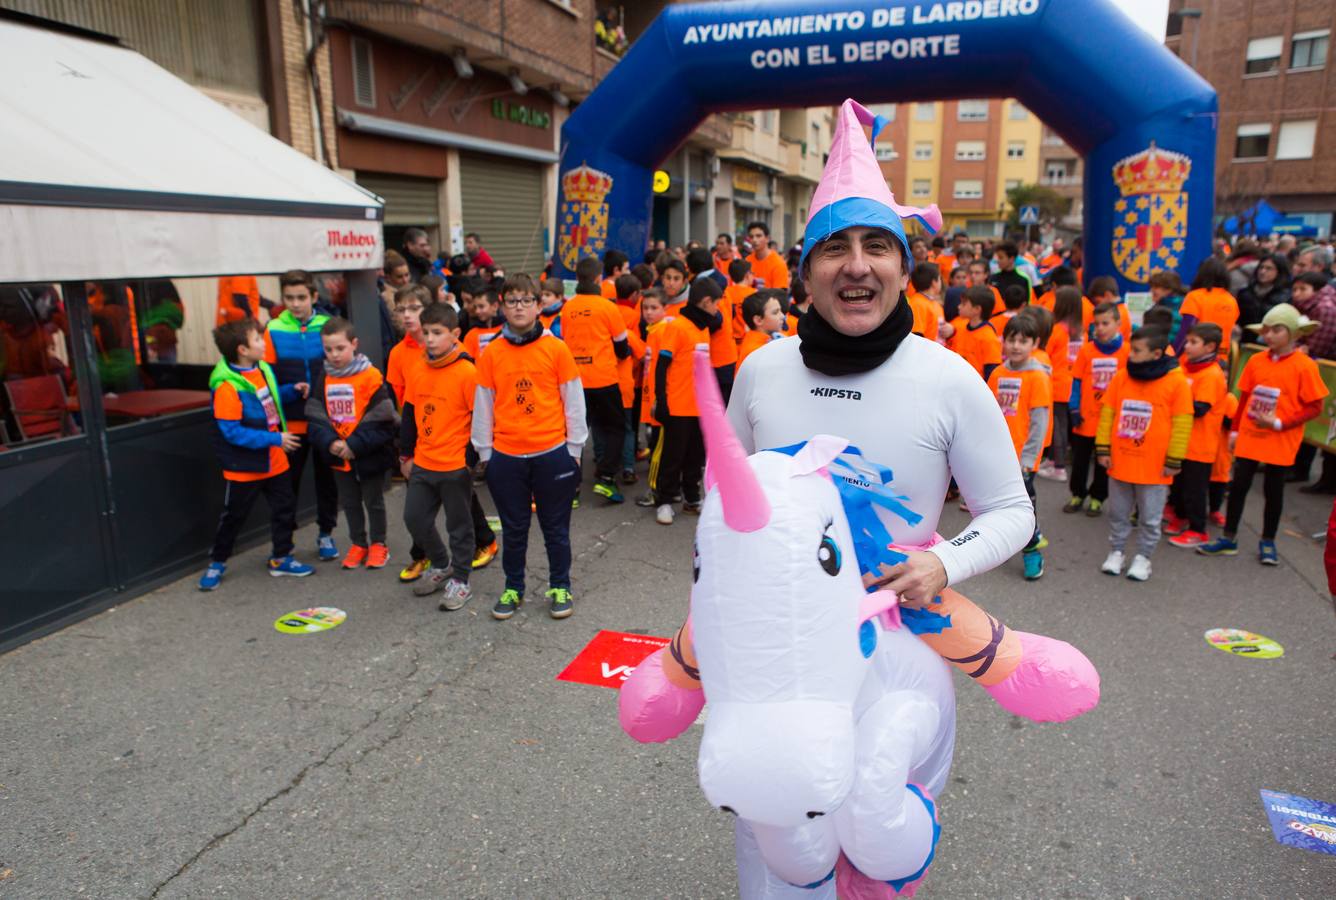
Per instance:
{"type": "Point", "coordinates": [250, 437]}
{"type": "Point", "coordinates": [293, 349]}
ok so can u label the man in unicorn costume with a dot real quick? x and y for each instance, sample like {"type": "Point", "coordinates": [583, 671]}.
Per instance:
{"type": "Point", "coordinates": [907, 403]}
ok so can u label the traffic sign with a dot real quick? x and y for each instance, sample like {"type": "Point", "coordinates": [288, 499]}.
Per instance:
{"type": "Point", "coordinates": [661, 181]}
{"type": "Point", "coordinates": [1029, 215]}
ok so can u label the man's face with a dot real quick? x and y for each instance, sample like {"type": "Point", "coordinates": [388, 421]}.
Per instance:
{"type": "Point", "coordinates": [855, 277]}
{"type": "Point", "coordinates": [339, 350]}
{"type": "Point", "coordinates": [723, 246]}
{"type": "Point", "coordinates": [1304, 264]}
{"type": "Point", "coordinates": [398, 277]}
{"type": "Point", "coordinates": [471, 245]}
{"type": "Point", "coordinates": [298, 300]}
{"type": "Point", "coordinates": [759, 242]}
{"type": "Point", "coordinates": [439, 339]}
{"type": "Point", "coordinates": [959, 242]}
{"type": "Point", "coordinates": [421, 248]}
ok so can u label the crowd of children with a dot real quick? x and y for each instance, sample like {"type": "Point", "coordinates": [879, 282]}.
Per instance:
{"type": "Point", "coordinates": [505, 382]}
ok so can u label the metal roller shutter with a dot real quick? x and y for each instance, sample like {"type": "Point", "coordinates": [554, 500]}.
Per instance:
{"type": "Point", "coordinates": [503, 202]}
{"type": "Point", "coordinates": [408, 201]}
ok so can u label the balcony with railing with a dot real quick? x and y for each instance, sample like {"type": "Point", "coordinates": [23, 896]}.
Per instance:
{"type": "Point", "coordinates": [1066, 180]}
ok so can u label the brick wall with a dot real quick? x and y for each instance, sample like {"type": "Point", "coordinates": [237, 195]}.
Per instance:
{"type": "Point", "coordinates": [298, 84]}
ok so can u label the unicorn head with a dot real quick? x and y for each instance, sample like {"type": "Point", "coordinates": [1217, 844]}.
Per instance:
{"type": "Point", "coordinates": [780, 626]}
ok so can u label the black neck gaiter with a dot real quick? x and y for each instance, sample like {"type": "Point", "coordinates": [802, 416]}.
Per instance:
{"type": "Point", "coordinates": [831, 353]}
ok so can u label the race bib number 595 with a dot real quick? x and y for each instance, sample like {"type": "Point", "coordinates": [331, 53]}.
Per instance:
{"type": "Point", "coordinates": [1134, 419]}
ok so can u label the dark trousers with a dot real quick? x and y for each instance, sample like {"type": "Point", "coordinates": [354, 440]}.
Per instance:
{"type": "Point", "coordinates": [550, 481]}
{"type": "Point", "coordinates": [1028, 478]}
{"type": "Point", "coordinates": [362, 499]}
{"type": "Point", "coordinates": [1083, 457]}
{"type": "Point", "coordinates": [428, 492]}
{"type": "Point", "coordinates": [326, 492]}
{"type": "Point", "coordinates": [238, 499]}
{"type": "Point", "coordinates": [1273, 489]}
{"type": "Point", "coordinates": [1303, 460]}
{"type": "Point", "coordinates": [631, 416]}
{"type": "Point", "coordinates": [1061, 435]}
{"type": "Point", "coordinates": [1216, 492]}
{"type": "Point", "coordinates": [483, 536]}
{"type": "Point", "coordinates": [607, 423]}
{"type": "Point", "coordinates": [679, 458]}
{"type": "Point", "coordinates": [1189, 493]}
{"type": "Point", "coordinates": [724, 375]}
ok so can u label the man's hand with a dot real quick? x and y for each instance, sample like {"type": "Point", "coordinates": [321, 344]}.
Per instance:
{"type": "Point", "coordinates": [920, 577]}
{"type": "Point", "coordinates": [406, 469]}
{"type": "Point", "coordinates": [291, 441]}
{"type": "Point", "coordinates": [1233, 438]}
{"type": "Point", "coordinates": [1170, 472]}
{"type": "Point", "coordinates": [946, 331]}
{"type": "Point", "coordinates": [1103, 460]}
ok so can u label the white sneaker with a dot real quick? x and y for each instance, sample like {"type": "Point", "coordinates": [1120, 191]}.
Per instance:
{"type": "Point", "coordinates": [664, 514]}
{"type": "Point", "coordinates": [1140, 568]}
{"type": "Point", "coordinates": [1113, 563]}
{"type": "Point", "coordinates": [1053, 473]}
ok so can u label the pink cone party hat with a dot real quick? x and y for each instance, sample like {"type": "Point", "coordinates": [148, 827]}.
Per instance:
{"type": "Point", "coordinates": [852, 190]}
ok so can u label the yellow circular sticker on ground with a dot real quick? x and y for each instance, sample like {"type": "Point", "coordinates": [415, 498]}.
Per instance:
{"type": "Point", "coordinates": [1244, 643]}
{"type": "Point", "coordinates": [309, 621]}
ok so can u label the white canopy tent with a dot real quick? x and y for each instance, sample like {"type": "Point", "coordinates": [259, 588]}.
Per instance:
{"type": "Point", "coordinates": [112, 167]}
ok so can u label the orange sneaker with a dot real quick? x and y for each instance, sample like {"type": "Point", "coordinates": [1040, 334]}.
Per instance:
{"type": "Point", "coordinates": [484, 555]}
{"type": "Point", "coordinates": [356, 556]}
{"type": "Point", "coordinates": [377, 556]}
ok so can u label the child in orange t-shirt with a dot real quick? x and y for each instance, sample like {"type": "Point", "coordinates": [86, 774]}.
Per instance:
{"type": "Point", "coordinates": [652, 324]}
{"type": "Point", "coordinates": [628, 291]}
{"type": "Point", "coordinates": [1201, 365]}
{"type": "Point", "coordinates": [734, 295]}
{"type": "Point", "coordinates": [925, 291]}
{"type": "Point", "coordinates": [597, 335]}
{"type": "Point", "coordinates": [551, 298]}
{"type": "Point", "coordinates": [1024, 391]}
{"type": "Point", "coordinates": [529, 427]}
{"type": "Point", "coordinates": [1145, 420]}
{"type": "Point", "coordinates": [1063, 346]}
{"type": "Point", "coordinates": [673, 280]}
{"type": "Point", "coordinates": [409, 302]}
{"type": "Point", "coordinates": [250, 436]}
{"type": "Point", "coordinates": [1099, 359]}
{"type": "Point", "coordinates": [1209, 300]}
{"type": "Point", "coordinates": [972, 336]}
{"type": "Point", "coordinates": [1104, 289]}
{"type": "Point", "coordinates": [1279, 391]}
{"type": "Point", "coordinates": [351, 422]}
{"type": "Point", "coordinates": [764, 313]}
{"type": "Point", "coordinates": [1223, 467]}
{"type": "Point", "coordinates": [486, 322]}
{"type": "Point", "coordinates": [679, 456]}
{"type": "Point", "coordinates": [1012, 302]}
{"type": "Point", "coordinates": [433, 438]}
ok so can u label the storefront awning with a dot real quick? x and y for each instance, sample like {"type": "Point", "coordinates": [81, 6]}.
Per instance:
{"type": "Point", "coordinates": [114, 168]}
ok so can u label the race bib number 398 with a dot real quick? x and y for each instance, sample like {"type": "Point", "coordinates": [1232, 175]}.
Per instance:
{"type": "Point", "coordinates": [270, 410]}
{"type": "Point", "coordinates": [1134, 419]}
{"type": "Point", "coordinates": [341, 403]}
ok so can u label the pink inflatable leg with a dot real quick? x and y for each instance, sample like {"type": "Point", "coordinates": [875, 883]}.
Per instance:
{"type": "Point", "coordinates": [651, 708]}
{"type": "Point", "coordinates": [1054, 682]}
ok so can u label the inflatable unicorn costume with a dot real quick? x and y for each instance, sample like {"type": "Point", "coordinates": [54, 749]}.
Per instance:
{"type": "Point", "coordinates": [831, 710]}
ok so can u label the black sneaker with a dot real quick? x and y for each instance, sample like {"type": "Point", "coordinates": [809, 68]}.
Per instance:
{"type": "Point", "coordinates": [647, 500]}
{"type": "Point", "coordinates": [507, 604]}
{"type": "Point", "coordinates": [691, 507]}
{"type": "Point", "coordinates": [561, 603]}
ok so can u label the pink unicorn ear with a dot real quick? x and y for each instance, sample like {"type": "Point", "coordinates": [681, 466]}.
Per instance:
{"type": "Point", "coordinates": [817, 453]}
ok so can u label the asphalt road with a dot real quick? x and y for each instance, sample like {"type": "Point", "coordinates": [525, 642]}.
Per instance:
{"type": "Point", "coordinates": [178, 746]}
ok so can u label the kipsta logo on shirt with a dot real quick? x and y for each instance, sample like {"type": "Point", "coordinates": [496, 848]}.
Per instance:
{"type": "Point", "coordinates": [836, 393]}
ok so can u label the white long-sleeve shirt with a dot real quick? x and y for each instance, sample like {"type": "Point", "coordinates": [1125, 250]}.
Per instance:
{"type": "Point", "coordinates": [925, 414]}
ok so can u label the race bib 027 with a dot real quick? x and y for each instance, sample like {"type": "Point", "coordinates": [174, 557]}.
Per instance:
{"type": "Point", "coordinates": [1134, 419]}
{"type": "Point", "coordinates": [341, 403]}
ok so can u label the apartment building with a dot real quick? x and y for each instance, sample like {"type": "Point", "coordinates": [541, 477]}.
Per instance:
{"type": "Point", "coordinates": [963, 155]}
{"type": "Point", "coordinates": [1270, 63]}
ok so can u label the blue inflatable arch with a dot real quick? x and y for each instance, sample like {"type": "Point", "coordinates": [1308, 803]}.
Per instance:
{"type": "Point", "coordinates": [1143, 120]}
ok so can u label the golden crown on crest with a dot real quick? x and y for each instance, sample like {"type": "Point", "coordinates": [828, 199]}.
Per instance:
{"type": "Point", "coordinates": [1152, 171]}
{"type": "Point", "coordinates": [586, 185]}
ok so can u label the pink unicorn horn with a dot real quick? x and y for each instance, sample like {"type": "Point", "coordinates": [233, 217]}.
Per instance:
{"type": "Point", "coordinates": [745, 505]}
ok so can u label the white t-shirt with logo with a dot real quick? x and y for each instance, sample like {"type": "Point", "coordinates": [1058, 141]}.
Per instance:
{"type": "Point", "coordinates": [924, 413]}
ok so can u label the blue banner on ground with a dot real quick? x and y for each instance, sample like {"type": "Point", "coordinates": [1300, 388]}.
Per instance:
{"type": "Point", "coordinates": [1300, 822]}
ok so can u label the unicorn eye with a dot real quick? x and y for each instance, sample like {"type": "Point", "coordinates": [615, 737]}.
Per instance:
{"type": "Point", "coordinates": [695, 563]}
{"type": "Point", "coordinates": [828, 554]}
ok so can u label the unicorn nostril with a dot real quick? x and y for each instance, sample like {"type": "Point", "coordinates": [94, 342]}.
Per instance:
{"type": "Point", "coordinates": [728, 809]}
{"type": "Point", "coordinates": [814, 814]}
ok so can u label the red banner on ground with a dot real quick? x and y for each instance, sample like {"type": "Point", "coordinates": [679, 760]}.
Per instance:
{"type": "Point", "coordinates": [609, 657]}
